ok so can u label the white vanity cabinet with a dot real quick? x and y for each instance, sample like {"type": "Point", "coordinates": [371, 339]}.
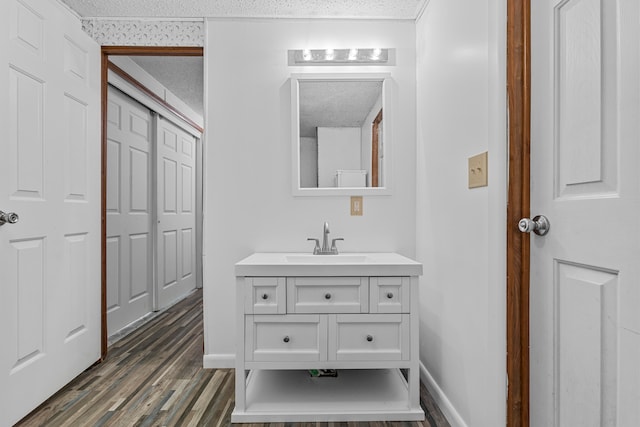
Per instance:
{"type": "Point", "coordinates": [365, 327]}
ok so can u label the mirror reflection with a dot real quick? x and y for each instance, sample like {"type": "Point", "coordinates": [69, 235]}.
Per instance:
{"type": "Point", "coordinates": [341, 133]}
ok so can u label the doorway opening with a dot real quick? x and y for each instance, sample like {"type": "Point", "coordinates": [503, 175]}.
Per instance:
{"type": "Point", "coordinates": [151, 226]}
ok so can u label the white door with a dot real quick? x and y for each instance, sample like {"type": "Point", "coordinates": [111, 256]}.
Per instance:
{"type": "Point", "coordinates": [176, 212]}
{"type": "Point", "coordinates": [585, 273]}
{"type": "Point", "coordinates": [129, 211]}
{"type": "Point", "coordinates": [49, 176]}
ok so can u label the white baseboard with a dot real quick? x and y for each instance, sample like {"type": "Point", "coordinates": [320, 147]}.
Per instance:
{"type": "Point", "coordinates": [219, 361]}
{"type": "Point", "coordinates": [447, 408]}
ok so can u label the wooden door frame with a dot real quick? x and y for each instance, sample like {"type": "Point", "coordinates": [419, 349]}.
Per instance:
{"type": "Point", "coordinates": [107, 51]}
{"type": "Point", "coordinates": [517, 284]}
{"type": "Point", "coordinates": [375, 145]}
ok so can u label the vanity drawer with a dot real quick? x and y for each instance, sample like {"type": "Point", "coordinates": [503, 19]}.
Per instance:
{"type": "Point", "coordinates": [265, 295]}
{"type": "Point", "coordinates": [285, 338]}
{"type": "Point", "coordinates": [368, 337]}
{"type": "Point", "coordinates": [389, 294]}
{"type": "Point", "coordinates": [327, 294]}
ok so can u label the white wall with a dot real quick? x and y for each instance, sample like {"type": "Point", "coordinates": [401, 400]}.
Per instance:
{"type": "Point", "coordinates": [338, 148]}
{"type": "Point", "coordinates": [461, 232]}
{"type": "Point", "coordinates": [308, 162]}
{"type": "Point", "coordinates": [249, 204]}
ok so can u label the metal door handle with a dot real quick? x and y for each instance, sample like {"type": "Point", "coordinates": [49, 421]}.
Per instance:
{"type": "Point", "coordinates": [539, 224]}
{"type": "Point", "coordinates": [9, 217]}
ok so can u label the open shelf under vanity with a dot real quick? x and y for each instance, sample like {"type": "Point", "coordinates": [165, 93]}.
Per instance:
{"type": "Point", "coordinates": [294, 395]}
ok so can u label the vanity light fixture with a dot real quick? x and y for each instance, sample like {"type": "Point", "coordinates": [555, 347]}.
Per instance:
{"type": "Point", "coordinates": [329, 54]}
{"type": "Point", "coordinates": [366, 56]}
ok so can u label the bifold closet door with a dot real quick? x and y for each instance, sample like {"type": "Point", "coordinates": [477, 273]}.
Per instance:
{"type": "Point", "coordinates": [176, 212]}
{"type": "Point", "coordinates": [129, 211]}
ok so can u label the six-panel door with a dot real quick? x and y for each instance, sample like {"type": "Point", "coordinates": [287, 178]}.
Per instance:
{"type": "Point", "coordinates": [50, 177]}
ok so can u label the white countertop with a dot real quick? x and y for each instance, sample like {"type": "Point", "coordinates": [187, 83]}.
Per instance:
{"type": "Point", "coordinates": [344, 264]}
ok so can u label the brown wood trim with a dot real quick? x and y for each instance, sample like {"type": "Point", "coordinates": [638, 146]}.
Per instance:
{"type": "Point", "coordinates": [153, 50]}
{"type": "Point", "coordinates": [128, 77]}
{"type": "Point", "coordinates": [519, 106]}
{"type": "Point", "coordinates": [106, 51]}
{"type": "Point", "coordinates": [375, 144]}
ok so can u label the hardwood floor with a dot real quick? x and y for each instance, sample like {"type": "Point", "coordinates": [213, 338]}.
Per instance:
{"type": "Point", "coordinates": [154, 377]}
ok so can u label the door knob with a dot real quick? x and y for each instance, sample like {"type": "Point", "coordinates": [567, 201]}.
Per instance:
{"type": "Point", "coordinates": [9, 217]}
{"type": "Point", "coordinates": [539, 224]}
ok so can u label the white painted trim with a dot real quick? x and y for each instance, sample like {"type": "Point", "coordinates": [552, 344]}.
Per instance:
{"type": "Point", "coordinates": [422, 10]}
{"type": "Point", "coordinates": [388, 134]}
{"type": "Point", "coordinates": [219, 361]}
{"type": "Point", "coordinates": [204, 139]}
{"type": "Point", "coordinates": [142, 18]}
{"type": "Point", "coordinates": [316, 18]}
{"type": "Point", "coordinates": [68, 9]}
{"type": "Point", "coordinates": [441, 399]}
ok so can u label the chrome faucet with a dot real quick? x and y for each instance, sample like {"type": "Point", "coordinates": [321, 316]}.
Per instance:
{"type": "Point", "coordinates": [325, 249]}
{"type": "Point", "coordinates": [325, 238]}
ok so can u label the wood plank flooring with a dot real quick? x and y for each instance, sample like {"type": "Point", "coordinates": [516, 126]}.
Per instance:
{"type": "Point", "coordinates": [154, 377]}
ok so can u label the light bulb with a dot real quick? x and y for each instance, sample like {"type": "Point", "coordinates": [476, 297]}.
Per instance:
{"type": "Point", "coordinates": [329, 54]}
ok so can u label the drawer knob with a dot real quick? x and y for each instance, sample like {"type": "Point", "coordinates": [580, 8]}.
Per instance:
{"type": "Point", "coordinates": [390, 295]}
{"type": "Point", "coordinates": [286, 339]}
{"type": "Point", "coordinates": [369, 338]}
{"type": "Point", "coordinates": [327, 296]}
{"type": "Point", "coordinates": [265, 296]}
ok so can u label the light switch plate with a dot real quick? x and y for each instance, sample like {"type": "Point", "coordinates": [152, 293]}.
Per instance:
{"type": "Point", "coordinates": [356, 205]}
{"type": "Point", "coordinates": [478, 170]}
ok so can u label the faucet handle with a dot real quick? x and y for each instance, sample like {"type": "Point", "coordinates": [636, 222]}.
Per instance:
{"type": "Point", "coordinates": [316, 249]}
{"type": "Point", "coordinates": [334, 248]}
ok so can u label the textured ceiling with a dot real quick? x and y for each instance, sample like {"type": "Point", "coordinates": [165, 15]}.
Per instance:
{"type": "Point", "coordinates": [183, 76]}
{"type": "Point", "coordinates": [384, 9]}
{"type": "Point", "coordinates": [335, 104]}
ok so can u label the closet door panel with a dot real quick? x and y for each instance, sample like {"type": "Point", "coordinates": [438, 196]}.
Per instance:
{"type": "Point", "coordinates": [129, 215]}
{"type": "Point", "coordinates": [176, 212]}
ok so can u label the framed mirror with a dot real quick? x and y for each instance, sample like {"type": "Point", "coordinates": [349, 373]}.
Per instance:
{"type": "Point", "coordinates": [340, 134]}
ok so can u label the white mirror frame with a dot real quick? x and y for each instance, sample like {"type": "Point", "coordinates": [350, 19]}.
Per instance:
{"type": "Point", "coordinates": [387, 134]}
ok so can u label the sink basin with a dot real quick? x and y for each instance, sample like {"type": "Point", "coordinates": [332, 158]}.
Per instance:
{"type": "Point", "coordinates": [328, 259]}
{"type": "Point", "coordinates": [281, 264]}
